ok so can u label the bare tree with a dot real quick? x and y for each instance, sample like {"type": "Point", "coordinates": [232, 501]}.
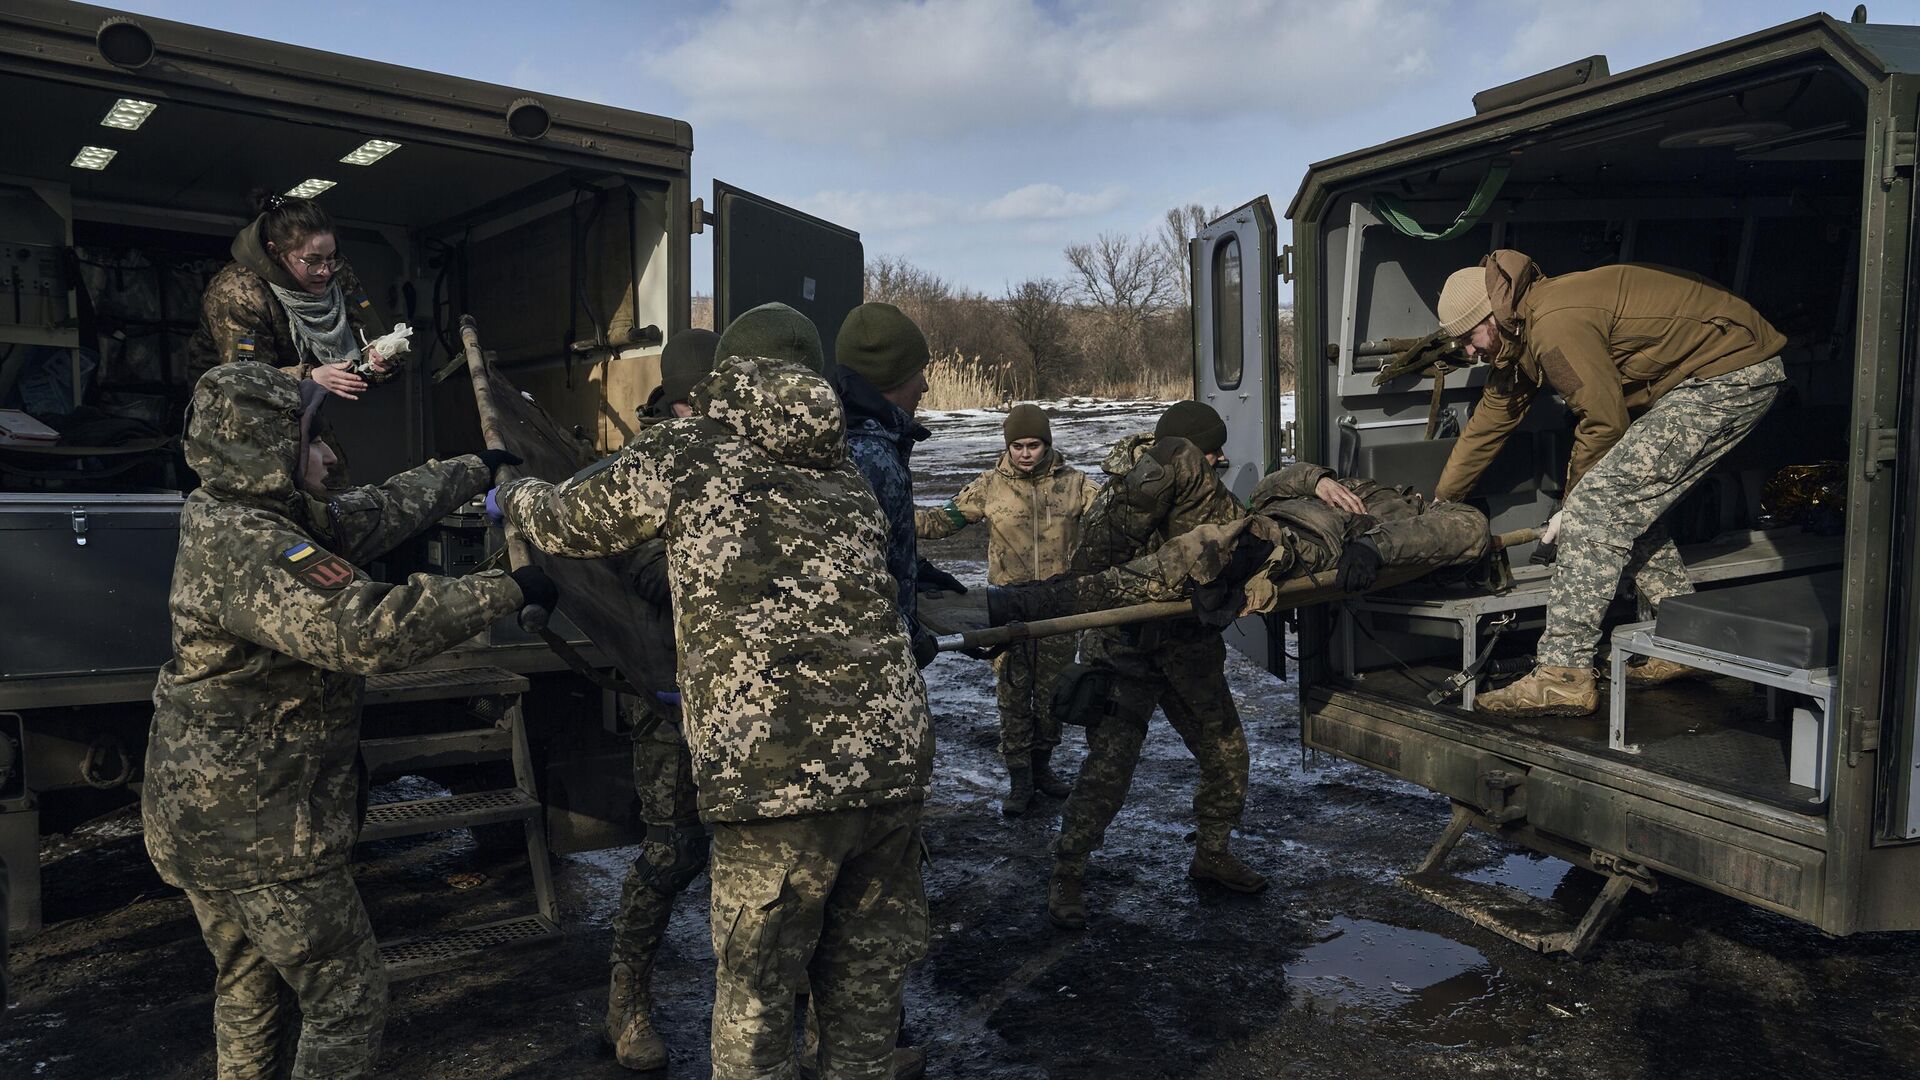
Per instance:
{"type": "Point", "coordinates": [1037, 310]}
{"type": "Point", "coordinates": [1128, 282]}
{"type": "Point", "coordinates": [1182, 224]}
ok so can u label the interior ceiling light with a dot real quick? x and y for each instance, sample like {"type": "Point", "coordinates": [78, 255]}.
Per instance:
{"type": "Point", "coordinates": [128, 114]}
{"type": "Point", "coordinates": [307, 189]}
{"type": "Point", "coordinates": [93, 157]}
{"type": "Point", "coordinates": [371, 151]}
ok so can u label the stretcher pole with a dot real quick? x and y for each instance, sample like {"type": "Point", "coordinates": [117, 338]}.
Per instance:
{"type": "Point", "coordinates": [533, 619]}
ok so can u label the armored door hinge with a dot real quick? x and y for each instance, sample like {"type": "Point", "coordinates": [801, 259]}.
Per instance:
{"type": "Point", "coordinates": [1883, 444]}
{"type": "Point", "coordinates": [1863, 734]}
{"type": "Point", "coordinates": [79, 520]}
{"type": "Point", "coordinates": [1897, 156]}
{"type": "Point", "coordinates": [1286, 263]}
{"type": "Point", "coordinates": [698, 218]}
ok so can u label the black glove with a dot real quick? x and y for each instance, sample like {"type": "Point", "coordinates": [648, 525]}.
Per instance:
{"type": "Point", "coordinates": [928, 578]}
{"type": "Point", "coordinates": [1218, 602]}
{"type": "Point", "coordinates": [649, 576]}
{"type": "Point", "coordinates": [925, 648]}
{"type": "Point", "coordinates": [1359, 566]}
{"type": "Point", "coordinates": [493, 459]}
{"type": "Point", "coordinates": [536, 587]}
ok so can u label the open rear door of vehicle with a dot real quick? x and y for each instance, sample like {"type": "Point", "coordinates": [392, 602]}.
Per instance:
{"type": "Point", "coordinates": [765, 252]}
{"type": "Point", "coordinates": [1235, 352]}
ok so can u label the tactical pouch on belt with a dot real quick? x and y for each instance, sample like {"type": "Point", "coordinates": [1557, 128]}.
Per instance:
{"type": "Point", "coordinates": [1083, 696]}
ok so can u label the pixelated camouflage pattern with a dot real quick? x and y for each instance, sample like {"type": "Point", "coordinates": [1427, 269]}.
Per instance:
{"type": "Point", "coordinates": [250, 764]}
{"type": "Point", "coordinates": [239, 310]}
{"type": "Point", "coordinates": [832, 903]}
{"type": "Point", "coordinates": [306, 943]}
{"type": "Point", "coordinates": [1025, 677]}
{"type": "Point", "coordinates": [675, 849]}
{"type": "Point", "coordinates": [1033, 518]}
{"type": "Point", "coordinates": [800, 693]}
{"type": "Point", "coordinates": [1610, 524]}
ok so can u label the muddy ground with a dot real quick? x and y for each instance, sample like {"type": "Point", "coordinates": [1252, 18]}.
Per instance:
{"type": "Point", "coordinates": [1334, 972]}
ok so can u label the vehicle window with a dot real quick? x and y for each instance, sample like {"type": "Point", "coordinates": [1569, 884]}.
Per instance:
{"type": "Point", "coordinates": [1229, 338]}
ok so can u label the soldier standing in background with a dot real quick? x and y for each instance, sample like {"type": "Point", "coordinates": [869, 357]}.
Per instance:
{"type": "Point", "coordinates": [805, 715]}
{"type": "Point", "coordinates": [251, 796]}
{"type": "Point", "coordinates": [1032, 501]}
{"type": "Point", "coordinates": [1163, 485]}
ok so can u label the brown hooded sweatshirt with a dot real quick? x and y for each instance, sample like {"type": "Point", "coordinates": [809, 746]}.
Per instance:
{"type": "Point", "coordinates": [1607, 340]}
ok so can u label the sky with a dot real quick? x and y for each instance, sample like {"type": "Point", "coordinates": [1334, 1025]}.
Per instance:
{"type": "Point", "coordinates": [977, 138]}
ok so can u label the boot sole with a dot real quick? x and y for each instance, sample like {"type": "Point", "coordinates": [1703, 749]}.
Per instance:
{"type": "Point", "coordinates": [1568, 711]}
{"type": "Point", "coordinates": [1066, 923]}
{"type": "Point", "coordinates": [1234, 886]}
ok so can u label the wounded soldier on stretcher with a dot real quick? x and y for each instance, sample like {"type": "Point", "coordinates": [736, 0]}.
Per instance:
{"type": "Point", "coordinates": [1302, 520]}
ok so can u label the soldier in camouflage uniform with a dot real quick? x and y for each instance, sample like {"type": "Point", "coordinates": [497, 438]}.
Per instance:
{"type": "Point", "coordinates": [804, 712]}
{"type": "Point", "coordinates": [1163, 485]}
{"type": "Point", "coordinates": [1032, 501]}
{"type": "Point", "coordinates": [1698, 364]}
{"type": "Point", "coordinates": [250, 795]}
{"type": "Point", "coordinates": [675, 849]}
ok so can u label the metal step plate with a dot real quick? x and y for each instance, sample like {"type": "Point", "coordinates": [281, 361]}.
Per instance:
{"type": "Point", "coordinates": [385, 821]}
{"type": "Point", "coordinates": [442, 684]}
{"type": "Point", "coordinates": [411, 957]}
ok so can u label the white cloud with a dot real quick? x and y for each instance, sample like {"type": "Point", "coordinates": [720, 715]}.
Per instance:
{"type": "Point", "coordinates": [869, 72]}
{"type": "Point", "coordinates": [899, 211]}
{"type": "Point", "coordinates": [1051, 201]}
{"type": "Point", "coordinates": [1562, 33]}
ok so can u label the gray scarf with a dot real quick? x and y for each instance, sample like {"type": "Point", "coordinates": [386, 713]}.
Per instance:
{"type": "Point", "coordinates": [321, 333]}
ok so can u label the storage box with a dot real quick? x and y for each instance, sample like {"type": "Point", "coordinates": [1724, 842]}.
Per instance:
{"type": "Point", "coordinates": [84, 581]}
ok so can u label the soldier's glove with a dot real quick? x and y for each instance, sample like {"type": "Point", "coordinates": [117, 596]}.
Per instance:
{"type": "Point", "coordinates": [928, 578]}
{"type": "Point", "coordinates": [1551, 534]}
{"type": "Point", "coordinates": [493, 459]}
{"type": "Point", "coordinates": [925, 648]}
{"type": "Point", "coordinates": [491, 505]}
{"type": "Point", "coordinates": [536, 588]}
{"type": "Point", "coordinates": [649, 575]}
{"type": "Point", "coordinates": [1219, 602]}
{"type": "Point", "coordinates": [1359, 566]}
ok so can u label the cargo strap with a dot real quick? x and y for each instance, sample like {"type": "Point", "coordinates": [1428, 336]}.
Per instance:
{"type": "Point", "coordinates": [1389, 209]}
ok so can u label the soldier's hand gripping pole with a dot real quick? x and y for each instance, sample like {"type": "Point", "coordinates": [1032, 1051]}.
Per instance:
{"type": "Point", "coordinates": [1300, 592]}
{"type": "Point", "coordinates": [533, 619]}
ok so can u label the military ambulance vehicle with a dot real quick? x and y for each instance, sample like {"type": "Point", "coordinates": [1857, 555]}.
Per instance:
{"type": "Point", "coordinates": [564, 227]}
{"type": "Point", "coordinates": [1781, 165]}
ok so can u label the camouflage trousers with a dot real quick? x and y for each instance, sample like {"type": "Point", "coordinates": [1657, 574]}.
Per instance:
{"type": "Point", "coordinates": [308, 940]}
{"type": "Point", "coordinates": [1610, 525]}
{"type": "Point", "coordinates": [1187, 680]}
{"type": "Point", "coordinates": [1027, 673]}
{"type": "Point", "coordinates": [833, 901]}
{"type": "Point", "coordinates": [675, 849]}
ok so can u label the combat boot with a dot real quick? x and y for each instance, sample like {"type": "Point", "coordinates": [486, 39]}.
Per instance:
{"type": "Point", "coordinates": [1066, 908]}
{"type": "Point", "coordinates": [1547, 691]}
{"type": "Point", "coordinates": [629, 999]}
{"type": "Point", "coordinates": [1019, 797]}
{"type": "Point", "coordinates": [1212, 861]}
{"type": "Point", "coordinates": [1656, 671]}
{"type": "Point", "coordinates": [1045, 780]}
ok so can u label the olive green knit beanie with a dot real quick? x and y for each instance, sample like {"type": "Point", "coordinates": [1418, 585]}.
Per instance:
{"type": "Point", "coordinates": [1027, 421]}
{"type": "Point", "coordinates": [1195, 422]}
{"type": "Point", "coordinates": [686, 360]}
{"type": "Point", "coordinates": [772, 330]}
{"type": "Point", "coordinates": [882, 344]}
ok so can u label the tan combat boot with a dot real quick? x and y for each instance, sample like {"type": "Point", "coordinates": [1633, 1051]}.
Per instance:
{"type": "Point", "coordinates": [629, 998]}
{"type": "Point", "coordinates": [1066, 908]}
{"type": "Point", "coordinates": [1212, 861]}
{"type": "Point", "coordinates": [1656, 671]}
{"type": "Point", "coordinates": [1546, 691]}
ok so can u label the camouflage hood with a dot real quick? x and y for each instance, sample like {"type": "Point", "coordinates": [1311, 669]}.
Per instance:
{"type": "Point", "coordinates": [784, 408]}
{"type": "Point", "coordinates": [243, 434]}
{"type": "Point", "coordinates": [249, 249]}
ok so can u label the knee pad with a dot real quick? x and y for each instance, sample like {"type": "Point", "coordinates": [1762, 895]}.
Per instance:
{"type": "Point", "coordinates": [686, 847]}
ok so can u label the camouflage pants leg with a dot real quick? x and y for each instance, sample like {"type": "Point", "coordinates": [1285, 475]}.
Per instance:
{"type": "Point", "coordinates": [831, 900]}
{"type": "Point", "coordinates": [313, 937]}
{"type": "Point", "coordinates": [675, 849]}
{"type": "Point", "coordinates": [1113, 751]}
{"type": "Point", "coordinates": [1622, 497]}
{"type": "Point", "coordinates": [1027, 673]}
{"type": "Point", "coordinates": [1199, 705]}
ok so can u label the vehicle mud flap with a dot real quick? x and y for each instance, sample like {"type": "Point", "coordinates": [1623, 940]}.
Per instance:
{"type": "Point", "coordinates": [1538, 924]}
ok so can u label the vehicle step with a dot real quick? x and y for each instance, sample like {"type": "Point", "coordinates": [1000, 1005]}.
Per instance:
{"type": "Point", "coordinates": [1540, 925]}
{"type": "Point", "coordinates": [441, 684]}
{"type": "Point", "coordinates": [402, 754]}
{"type": "Point", "coordinates": [411, 957]}
{"type": "Point", "coordinates": [415, 817]}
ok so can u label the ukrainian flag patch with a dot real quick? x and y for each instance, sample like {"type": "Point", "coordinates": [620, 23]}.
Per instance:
{"type": "Point", "coordinates": [298, 552]}
{"type": "Point", "coordinates": [244, 346]}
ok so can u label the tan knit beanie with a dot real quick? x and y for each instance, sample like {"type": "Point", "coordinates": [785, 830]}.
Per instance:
{"type": "Point", "coordinates": [1027, 421]}
{"type": "Point", "coordinates": [1464, 302]}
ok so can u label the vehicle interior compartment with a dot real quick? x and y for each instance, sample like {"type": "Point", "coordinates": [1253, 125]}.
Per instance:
{"type": "Point", "coordinates": [1754, 181]}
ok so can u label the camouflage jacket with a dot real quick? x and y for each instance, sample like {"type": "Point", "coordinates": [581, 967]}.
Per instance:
{"type": "Point", "coordinates": [800, 693]}
{"type": "Point", "coordinates": [241, 319]}
{"type": "Point", "coordinates": [250, 764]}
{"type": "Point", "coordinates": [880, 438]}
{"type": "Point", "coordinates": [1033, 519]}
{"type": "Point", "coordinates": [1408, 530]}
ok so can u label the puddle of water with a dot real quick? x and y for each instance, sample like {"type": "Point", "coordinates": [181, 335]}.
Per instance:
{"type": "Point", "coordinates": [1445, 988]}
{"type": "Point", "coordinates": [1536, 875]}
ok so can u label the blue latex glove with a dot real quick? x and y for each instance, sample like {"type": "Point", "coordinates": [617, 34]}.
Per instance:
{"type": "Point", "coordinates": [668, 697]}
{"type": "Point", "coordinates": [493, 507]}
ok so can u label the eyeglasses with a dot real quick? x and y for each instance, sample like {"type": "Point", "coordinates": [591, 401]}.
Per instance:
{"type": "Point", "coordinates": [328, 263]}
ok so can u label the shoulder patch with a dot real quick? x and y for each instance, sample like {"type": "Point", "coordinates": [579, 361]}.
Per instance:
{"type": "Point", "coordinates": [244, 346]}
{"type": "Point", "coordinates": [360, 300]}
{"type": "Point", "coordinates": [316, 568]}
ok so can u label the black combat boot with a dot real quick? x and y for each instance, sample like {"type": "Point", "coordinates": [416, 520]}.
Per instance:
{"type": "Point", "coordinates": [1019, 797]}
{"type": "Point", "coordinates": [1213, 862]}
{"type": "Point", "coordinates": [629, 998]}
{"type": "Point", "coordinates": [1045, 780]}
{"type": "Point", "coordinates": [1066, 908]}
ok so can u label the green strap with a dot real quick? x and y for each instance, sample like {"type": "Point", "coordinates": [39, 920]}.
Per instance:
{"type": "Point", "coordinates": [1388, 209]}
{"type": "Point", "coordinates": [954, 517]}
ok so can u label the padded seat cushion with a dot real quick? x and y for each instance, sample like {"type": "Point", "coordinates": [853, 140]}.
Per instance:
{"type": "Point", "coordinates": [1794, 622]}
